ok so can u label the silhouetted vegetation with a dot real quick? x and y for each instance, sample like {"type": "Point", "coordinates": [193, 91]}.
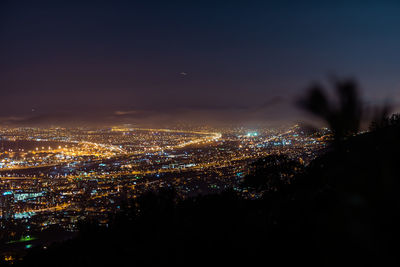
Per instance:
{"type": "Point", "coordinates": [343, 115]}
{"type": "Point", "coordinates": [272, 173]}
{"type": "Point", "coordinates": [383, 120]}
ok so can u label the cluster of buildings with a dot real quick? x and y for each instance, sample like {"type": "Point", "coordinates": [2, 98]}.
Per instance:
{"type": "Point", "coordinates": [71, 175]}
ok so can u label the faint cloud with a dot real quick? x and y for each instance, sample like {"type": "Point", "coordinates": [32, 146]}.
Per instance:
{"type": "Point", "coordinates": [124, 113]}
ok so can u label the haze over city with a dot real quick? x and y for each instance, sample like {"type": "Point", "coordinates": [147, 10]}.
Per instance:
{"type": "Point", "coordinates": [238, 62]}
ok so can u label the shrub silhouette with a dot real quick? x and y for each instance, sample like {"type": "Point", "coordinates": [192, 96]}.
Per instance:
{"type": "Point", "coordinates": [382, 119]}
{"type": "Point", "coordinates": [342, 115]}
{"type": "Point", "coordinates": [272, 173]}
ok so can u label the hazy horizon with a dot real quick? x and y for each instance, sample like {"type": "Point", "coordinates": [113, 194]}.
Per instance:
{"type": "Point", "coordinates": [156, 63]}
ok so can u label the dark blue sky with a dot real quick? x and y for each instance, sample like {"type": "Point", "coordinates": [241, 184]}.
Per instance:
{"type": "Point", "coordinates": [245, 61]}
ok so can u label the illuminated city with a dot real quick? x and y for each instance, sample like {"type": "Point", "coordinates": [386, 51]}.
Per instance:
{"type": "Point", "coordinates": [199, 133]}
{"type": "Point", "coordinates": [60, 176]}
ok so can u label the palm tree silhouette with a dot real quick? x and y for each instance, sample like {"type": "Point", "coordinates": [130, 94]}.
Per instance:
{"type": "Point", "coordinates": [343, 115]}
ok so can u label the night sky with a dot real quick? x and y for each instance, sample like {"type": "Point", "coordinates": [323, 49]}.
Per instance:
{"type": "Point", "coordinates": [160, 62]}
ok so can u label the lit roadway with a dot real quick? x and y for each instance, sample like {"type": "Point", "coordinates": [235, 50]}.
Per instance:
{"type": "Point", "coordinates": [210, 137]}
{"type": "Point", "coordinates": [115, 151]}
